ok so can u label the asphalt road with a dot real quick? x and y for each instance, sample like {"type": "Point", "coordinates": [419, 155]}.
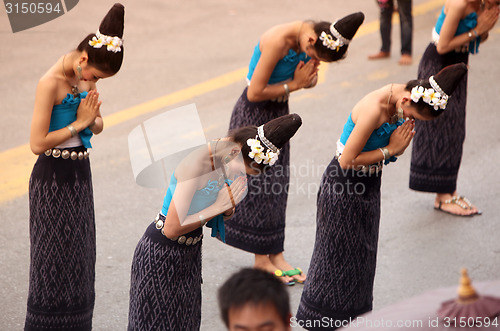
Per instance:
{"type": "Point", "coordinates": [181, 52]}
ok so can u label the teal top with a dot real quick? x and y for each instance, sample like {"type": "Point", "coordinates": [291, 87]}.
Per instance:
{"type": "Point", "coordinates": [465, 25]}
{"type": "Point", "coordinates": [201, 199]}
{"type": "Point", "coordinates": [65, 114]}
{"type": "Point", "coordinates": [379, 138]}
{"type": "Point", "coordinates": [284, 69]}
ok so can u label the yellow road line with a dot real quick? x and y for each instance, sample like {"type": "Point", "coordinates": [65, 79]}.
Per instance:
{"type": "Point", "coordinates": [16, 163]}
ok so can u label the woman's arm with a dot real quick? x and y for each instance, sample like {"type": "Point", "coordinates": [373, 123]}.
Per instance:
{"type": "Point", "coordinates": [272, 50]}
{"type": "Point", "coordinates": [40, 140]}
{"type": "Point", "coordinates": [400, 139]}
{"type": "Point", "coordinates": [178, 222]}
{"type": "Point", "coordinates": [352, 156]}
{"type": "Point", "coordinates": [455, 11]}
{"type": "Point", "coordinates": [40, 137]}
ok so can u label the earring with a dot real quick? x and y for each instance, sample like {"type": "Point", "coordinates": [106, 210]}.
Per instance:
{"type": "Point", "coordinates": [401, 113]}
{"type": "Point", "coordinates": [226, 160]}
{"type": "Point", "coordinates": [79, 70]}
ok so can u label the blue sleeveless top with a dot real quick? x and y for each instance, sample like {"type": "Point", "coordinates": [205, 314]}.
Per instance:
{"type": "Point", "coordinates": [65, 114]}
{"type": "Point", "coordinates": [284, 69]}
{"type": "Point", "coordinates": [201, 200]}
{"type": "Point", "coordinates": [465, 25]}
{"type": "Point", "coordinates": [378, 139]}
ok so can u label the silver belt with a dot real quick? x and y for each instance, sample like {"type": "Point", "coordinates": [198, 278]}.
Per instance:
{"type": "Point", "coordinates": [181, 240]}
{"type": "Point", "coordinates": [366, 169]}
{"type": "Point", "coordinates": [67, 154]}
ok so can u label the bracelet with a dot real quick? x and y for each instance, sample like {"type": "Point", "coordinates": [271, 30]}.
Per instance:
{"type": "Point", "coordinates": [203, 220]}
{"type": "Point", "coordinates": [475, 33]}
{"type": "Point", "coordinates": [287, 89]}
{"type": "Point", "coordinates": [383, 154]}
{"type": "Point", "coordinates": [72, 129]}
{"type": "Point", "coordinates": [469, 34]}
{"type": "Point", "coordinates": [231, 196]}
{"type": "Point", "coordinates": [228, 216]}
{"type": "Point", "coordinates": [386, 153]}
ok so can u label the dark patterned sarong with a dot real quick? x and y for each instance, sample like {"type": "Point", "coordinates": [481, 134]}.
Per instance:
{"type": "Point", "coordinates": [339, 282]}
{"type": "Point", "coordinates": [165, 286]}
{"type": "Point", "coordinates": [437, 144]}
{"type": "Point", "coordinates": [258, 225]}
{"type": "Point", "coordinates": [63, 245]}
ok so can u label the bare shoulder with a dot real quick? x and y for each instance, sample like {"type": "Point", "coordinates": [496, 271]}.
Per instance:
{"type": "Point", "coordinates": [47, 91]}
{"type": "Point", "coordinates": [48, 82]}
{"type": "Point", "coordinates": [194, 165]}
{"type": "Point", "coordinates": [455, 7]}
{"type": "Point", "coordinates": [368, 109]}
{"type": "Point", "coordinates": [276, 36]}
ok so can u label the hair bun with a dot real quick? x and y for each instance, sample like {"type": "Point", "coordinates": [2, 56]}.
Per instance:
{"type": "Point", "coordinates": [113, 23]}
{"type": "Point", "coordinates": [349, 25]}
{"type": "Point", "coordinates": [280, 130]}
{"type": "Point", "coordinates": [449, 77]}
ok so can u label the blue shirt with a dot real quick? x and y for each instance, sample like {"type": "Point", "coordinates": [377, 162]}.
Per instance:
{"type": "Point", "coordinates": [465, 25]}
{"type": "Point", "coordinates": [65, 114]}
{"type": "Point", "coordinates": [284, 69]}
{"type": "Point", "coordinates": [379, 137]}
{"type": "Point", "coordinates": [201, 199]}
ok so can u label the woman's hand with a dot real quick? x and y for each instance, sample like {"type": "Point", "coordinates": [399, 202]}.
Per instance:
{"type": "Point", "coordinates": [237, 189]}
{"type": "Point", "coordinates": [487, 20]}
{"type": "Point", "coordinates": [88, 109]}
{"type": "Point", "coordinates": [401, 138]}
{"type": "Point", "coordinates": [305, 74]}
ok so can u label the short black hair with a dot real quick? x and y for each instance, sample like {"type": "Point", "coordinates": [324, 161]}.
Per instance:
{"type": "Point", "coordinates": [253, 286]}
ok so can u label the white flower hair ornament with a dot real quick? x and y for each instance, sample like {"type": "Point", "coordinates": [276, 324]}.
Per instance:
{"type": "Point", "coordinates": [434, 96]}
{"type": "Point", "coordinates": [257, 150]}
{"type": "Point", "coordinates": [113, 44]}
{"type": "Point", "coordinates": [328, 41]}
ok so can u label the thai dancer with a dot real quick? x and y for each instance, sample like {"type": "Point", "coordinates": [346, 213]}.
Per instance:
{"type": "Point", "coordinates": [462, 26]}
{"type": "Point", "coordinates": [285, 60]}
{"type": "Point", "coordinates": [206, 186]}
{"type": "Point", "coordinates": [62, 226]}
{"type": "Point", "coordinates": [339, 286]}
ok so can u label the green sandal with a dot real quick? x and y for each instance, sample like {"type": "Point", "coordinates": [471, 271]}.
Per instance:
{"type": "Point", "coordinates": [280, 273]}
{"type": "Point", "coordinates": [294, 272]}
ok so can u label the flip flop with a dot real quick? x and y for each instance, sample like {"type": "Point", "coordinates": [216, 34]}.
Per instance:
{"type": "Point", "coordinates": [280, 273]}
{"type": "Point", "coordinates": [466, 204]}
{"type": "Point", "coordinates": [294, 272]}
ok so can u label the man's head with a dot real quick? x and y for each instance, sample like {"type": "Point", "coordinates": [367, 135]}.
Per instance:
{"type": "Point", "coordinates": [254, 300]}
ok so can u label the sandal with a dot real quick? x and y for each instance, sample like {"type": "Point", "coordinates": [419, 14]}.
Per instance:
{"type": "Point", "coordinates": [294, 272]}
{"type": "Point", "coordinates": [460, 201]}
{"type": "Point", "coordinates": [280, 273]}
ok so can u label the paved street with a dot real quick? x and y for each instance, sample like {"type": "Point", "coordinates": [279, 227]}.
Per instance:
{"type": "Point", "coordinates": [181, 52]}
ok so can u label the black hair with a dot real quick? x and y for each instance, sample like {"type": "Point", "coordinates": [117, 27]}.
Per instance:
{"type": "Point", "coordinates": [448, 79]}
{"type": "Point", "coordinates": [112, 25]}
{"type": "Point", "coordinates": [278, 131]}
{"type": "Point", "coordinates": [346, 26]}
{"type": "Point", "coordinates": [253, 286]}
{"type": "Point", "coordinates": [241, 136]}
